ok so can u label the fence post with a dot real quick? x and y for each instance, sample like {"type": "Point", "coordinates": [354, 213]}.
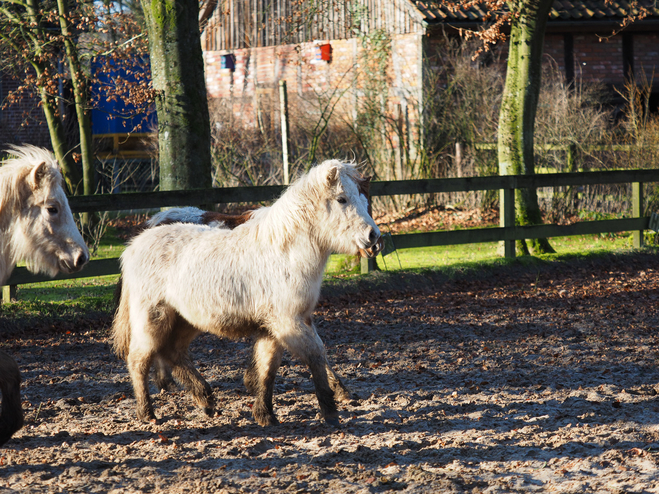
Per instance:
{"type": "Point", "coordinates": [8, 293]}
{"type": "Point", "coordinates": [637, 211]}
{"type": "Point", "coordinates": [367, 265]}
{"type": "Point", "coordinates": [507, 218]}
{"type": "Point", "coordinates": [283, 105]}
{"type": "Point", "coordinates": [571, 157]}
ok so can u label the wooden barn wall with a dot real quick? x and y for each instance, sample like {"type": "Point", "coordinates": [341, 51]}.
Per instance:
{"type": "Point", "coordinates": [257, 23]}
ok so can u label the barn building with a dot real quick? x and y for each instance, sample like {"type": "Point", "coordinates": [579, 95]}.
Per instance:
{"type": "Point", "coordinates": [329, 49]}
{"type": "Point", "coordinates": [250, 45]}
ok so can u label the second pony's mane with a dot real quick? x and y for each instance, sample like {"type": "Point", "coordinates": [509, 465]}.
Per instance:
{"type": "Point", "coordinates": [292, 210]}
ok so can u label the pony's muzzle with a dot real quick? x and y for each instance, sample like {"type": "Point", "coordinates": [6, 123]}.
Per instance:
{"type": "Point", "coordinates": [80, 260]}
{"type": "Point", "coordinates": [75, 263]}
{"type": "Point", "coordinates": [375, 246]}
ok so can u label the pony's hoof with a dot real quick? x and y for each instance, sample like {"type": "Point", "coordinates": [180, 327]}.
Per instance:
{"type": "Point", "coordinates": [168, 386]}
{"type": "Point", "coordinates": [334, 422]}
{"type": "Point", "coordinates": [209, 411]}
{"type": "Point", "coordinates": [343, 395]}
{"type": "Point", "coordinates": [147, 417]}
{"type": "Point", "coordinates": [267, 420]}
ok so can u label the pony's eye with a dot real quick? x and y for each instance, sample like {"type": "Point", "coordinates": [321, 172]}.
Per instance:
{"type": "Point", "coordinates": [342, 200]}
{"type": "Point", "coordinates": [52, 210]}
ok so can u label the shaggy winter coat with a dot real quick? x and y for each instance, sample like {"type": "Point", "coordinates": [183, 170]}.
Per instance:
{"type": "Point", "coordinates": [261, 279]}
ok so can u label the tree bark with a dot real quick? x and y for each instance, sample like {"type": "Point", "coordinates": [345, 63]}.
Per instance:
{"type": "Point", "coordinates": [519, 104]}
{"type": "Point", "coordinates": [70, 171]}
{"type": "Point", "coordinates": [81, 98]}
{"type": "Point", "coordinates": [177, 71]}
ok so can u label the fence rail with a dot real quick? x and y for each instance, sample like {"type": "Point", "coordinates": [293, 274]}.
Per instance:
{"type": "Point", "coordinates": [507, 232]}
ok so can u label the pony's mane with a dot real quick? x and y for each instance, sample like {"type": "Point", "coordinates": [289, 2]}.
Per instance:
{"type": "Point", "coordinates": [293, 208]}
{"type": "Point", "coordinates": [15, 170]}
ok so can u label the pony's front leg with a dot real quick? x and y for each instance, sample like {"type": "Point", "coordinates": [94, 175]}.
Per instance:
{"type": "Point", "coordinates": [303, 342]}
{"type": "Point", "coordinates": [260, 378]}
{"type": "Point", "coordinates": [139, 364]}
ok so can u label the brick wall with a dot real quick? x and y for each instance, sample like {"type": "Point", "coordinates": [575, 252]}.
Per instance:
{"type": "Point", "coordinates": [22, 122]}
{"type": "Point", "coordinates": [554, 51]}
{"type": "Point", "coordinates": [251, 91]}
{"type": "Point", "coordinates": [597, 61]}
{"type": "Point", "coordinates": [253, 85]}
{"type": "Point", "coordinates": [594, 59]}
{"type": "Point", "coordinates": [646, 55]}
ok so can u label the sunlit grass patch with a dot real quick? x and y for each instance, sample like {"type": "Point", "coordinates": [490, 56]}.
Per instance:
{"type": "Point", "coordinates": [450, 255]}
{"type": "Point", "coordinates": [101, 287]}
{"type": "Point", "coordinates": [96, 294]}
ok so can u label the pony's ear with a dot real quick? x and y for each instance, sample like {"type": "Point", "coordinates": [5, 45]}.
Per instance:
{"type": "Point", "coordinates": [332, 175]}
{"type": "Point", "coordinates": [37, 175]}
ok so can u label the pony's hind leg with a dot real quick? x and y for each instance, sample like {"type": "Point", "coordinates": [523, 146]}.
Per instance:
{"type": "Point", "coordinates": [150, 329]}
{"type": "Point", "coordinates": [139, 363]}
{"type": "Point", "coordinates": [341, 392]}
{"type": "Point", "coordinates": [163, 375]}
{"type": "Point", "coordinates": [182, 369]}
{"type": "Point", "coordinates": [260, 378]}
{"type": "Point", "coordinates": [185, 373]}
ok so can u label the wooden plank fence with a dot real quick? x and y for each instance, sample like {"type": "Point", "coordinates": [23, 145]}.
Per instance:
{"type": "Point", "coordinates": [506, 232]}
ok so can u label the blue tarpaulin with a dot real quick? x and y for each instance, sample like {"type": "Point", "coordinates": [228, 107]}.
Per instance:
{"type": "Point", "coordinates": [114, 116]}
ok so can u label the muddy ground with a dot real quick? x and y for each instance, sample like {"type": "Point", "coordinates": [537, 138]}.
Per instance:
{"type": "Point", "coordinates": [541, 378]}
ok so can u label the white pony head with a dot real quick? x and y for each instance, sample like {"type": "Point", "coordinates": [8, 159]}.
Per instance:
{"type": "Point", "coordinates": [36, 224]}
{"type": "Point", "coordinates": [343, 219]}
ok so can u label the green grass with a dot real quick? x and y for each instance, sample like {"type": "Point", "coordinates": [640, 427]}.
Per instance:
{"type": "Point", "coordinates": [101, 287]}
{"type": "Point", "coordinates": [94, 294]}
{"type": "Point", "coordinates": [109, 246]}
{"type": "Point", "coordinates": [451, 255]}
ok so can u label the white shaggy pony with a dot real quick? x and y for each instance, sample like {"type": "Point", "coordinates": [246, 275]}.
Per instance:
{"type": "Point", "coordinates": [262, 278]}
{"type": "Point", "coordinates": [163, 377]}
{"type": "Point", "coordinates": [36, 224]}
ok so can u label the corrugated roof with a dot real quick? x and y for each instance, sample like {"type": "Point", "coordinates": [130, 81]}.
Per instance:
{"type": "Point", "coordinates": [562, 10]}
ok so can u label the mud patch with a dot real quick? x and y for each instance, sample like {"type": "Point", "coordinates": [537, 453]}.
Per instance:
{"type": "Point", "coordinates": [535, 381]}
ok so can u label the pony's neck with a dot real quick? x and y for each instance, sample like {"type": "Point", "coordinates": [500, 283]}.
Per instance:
{"type": "Point", "coordinates": [290, 221]}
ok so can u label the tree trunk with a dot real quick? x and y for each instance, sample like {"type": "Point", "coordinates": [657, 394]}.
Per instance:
{"type": "Point", "coordinates": [177, 71]}
{"type": "Point", "coordinates": [80, 95]}
{"type": "Point", "coordinates": [70, 171]}
{"type": "Point", "coordinates": [519, 104]}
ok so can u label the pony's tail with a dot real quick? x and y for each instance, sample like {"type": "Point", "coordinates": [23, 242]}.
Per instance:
{"type": "Point", "coordinates": [11, 417]}
{"type": "Point", "coordinates": [121, 323]}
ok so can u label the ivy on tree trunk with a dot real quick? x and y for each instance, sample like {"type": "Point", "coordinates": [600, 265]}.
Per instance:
{"type": "Point", "coordinates": [177, 71]}
{"type": "Point", "coordinates": [518, 107]}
